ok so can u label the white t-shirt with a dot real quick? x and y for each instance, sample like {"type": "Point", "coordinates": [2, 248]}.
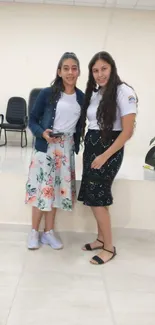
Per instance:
{"type": "Point", "coordinates": [67, 115]}
{"type": "Point", "coordinates": [126, 104]}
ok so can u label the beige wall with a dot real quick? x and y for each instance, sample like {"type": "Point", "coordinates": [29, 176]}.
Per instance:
{"type": "Point", "coordinates": [33, 37]}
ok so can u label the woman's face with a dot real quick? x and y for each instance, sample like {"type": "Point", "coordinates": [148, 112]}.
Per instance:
{"type": "Point", "coordinates": [101, 71]}
{"type": "Point", "coordinates": [69, 72]}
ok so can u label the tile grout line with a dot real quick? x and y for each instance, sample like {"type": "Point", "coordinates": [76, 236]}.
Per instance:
{"type": "Point", "coordinates": [20, 276]}
{"type": "Point", "coordinates": [109, 301]}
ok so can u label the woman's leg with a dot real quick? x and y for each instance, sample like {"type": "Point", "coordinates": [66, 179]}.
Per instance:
{"type": "Point", "coordinates": [49, 237]}
{"type": "Point", "coordinates": [103, 219]}
{"type": "Point", "coordinates": [50, 219]}
{"type": "Point", "coordinates": [36, 218]}
{"type": "Point", "coordinates": [100, 234]}
{"type": "Point", "coordinates": [96, 243]}
{"type": "Point", "coordinates": [33, 238]}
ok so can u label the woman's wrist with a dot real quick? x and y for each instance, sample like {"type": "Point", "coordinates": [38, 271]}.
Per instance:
{"type": "Point", "coordinates": [106, 154]}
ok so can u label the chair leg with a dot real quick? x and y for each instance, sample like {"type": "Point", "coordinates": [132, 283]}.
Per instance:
{"type": "Point", "coordinates": [23, 145]}
{"type": "Point", "coordinates": [21, 142]}
{"type": "Point", "coordinates": [25, 138]}
{"type": "Point", "coordinates": [5, 138]}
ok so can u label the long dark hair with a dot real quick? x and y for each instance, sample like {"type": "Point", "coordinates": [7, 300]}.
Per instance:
{"type": "Point", "coordinates": [57, 85]}
{"type": "Point", "coordinates": [106, 112]}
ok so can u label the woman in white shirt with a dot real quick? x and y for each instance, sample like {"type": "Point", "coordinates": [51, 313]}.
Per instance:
{"type": "Point", "coordinates": [55, 121]}
{"type": "Point", "coordinates": [110, 107]}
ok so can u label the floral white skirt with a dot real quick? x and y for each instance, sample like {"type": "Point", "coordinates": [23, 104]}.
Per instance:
{"type": "Point", "coordinates": [51, 179]}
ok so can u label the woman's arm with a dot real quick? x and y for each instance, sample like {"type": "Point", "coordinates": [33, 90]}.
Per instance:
{"type": "Point", "coordinates": [127, 105]}
{"type": "Point", "coordinates": [128, 122]}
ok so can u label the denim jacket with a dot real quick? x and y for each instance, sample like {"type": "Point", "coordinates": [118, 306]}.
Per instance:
{"type": "Point", "coordinates": [42, 117]}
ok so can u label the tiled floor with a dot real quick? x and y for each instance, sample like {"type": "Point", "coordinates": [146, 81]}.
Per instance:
{"type": "Point", "coordinates": [48, 287]}
{"type": "Point", "coordinates": [62, 287]}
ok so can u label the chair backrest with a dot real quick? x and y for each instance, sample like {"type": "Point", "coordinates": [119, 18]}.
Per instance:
{"type": "Point", "coordinates": [32, 98]}
{"type": "Point", "coordinates": [16, 110]}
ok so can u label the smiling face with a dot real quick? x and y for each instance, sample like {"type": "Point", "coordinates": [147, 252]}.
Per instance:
{"type": "Point", "coordinates": [101, 71]}
{"type": "Point", "coordinates": [69, 72]}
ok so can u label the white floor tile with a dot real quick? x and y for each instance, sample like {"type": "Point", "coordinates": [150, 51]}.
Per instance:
{"type": "Point", "coordinates": [58, 306]}
{"type": "Point", "coordinates": [62, 315]}
{"type": "Point", "coordinates": [132, 302]}
{"type": "Point", "coordinates": [135, 318]}
{"type": "Point", "coordinates": [59, 281]}
{"type": "Point", "coordinates": [62, 287]}
{"type": "Point", "coordinates": [12, 258]}
{"type": "Point", "coordinates": [129, 282]}
{"type": "Point", "coordinates": [6, 300]}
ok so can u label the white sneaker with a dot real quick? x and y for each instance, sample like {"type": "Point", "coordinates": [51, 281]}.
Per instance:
{"type": "Point", "coordinates": [50, 238]}
{"type": "Point", "coordinates": [33, 240]}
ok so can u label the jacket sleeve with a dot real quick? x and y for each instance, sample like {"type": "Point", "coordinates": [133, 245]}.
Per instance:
{"type": "Point", "coordinates": [36, 113]}
{"type": "Point", "coordinates": [77, 135]}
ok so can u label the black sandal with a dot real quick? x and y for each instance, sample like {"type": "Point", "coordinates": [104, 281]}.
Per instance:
{"type": "Point", "coordinates": [99, 259]}
{"type": "Point", "coordinates": [88, 247]}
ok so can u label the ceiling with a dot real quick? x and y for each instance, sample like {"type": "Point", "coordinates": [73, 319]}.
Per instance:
{"type": "Point", "coordinates": [131, 4]}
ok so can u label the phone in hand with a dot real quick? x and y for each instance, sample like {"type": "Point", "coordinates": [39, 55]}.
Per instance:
{"type": "Point", "coordinates": [56, 135]}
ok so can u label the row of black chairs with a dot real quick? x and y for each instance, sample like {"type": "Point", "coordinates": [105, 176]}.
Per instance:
{"type": "Point", "coordinates": [17, 114]}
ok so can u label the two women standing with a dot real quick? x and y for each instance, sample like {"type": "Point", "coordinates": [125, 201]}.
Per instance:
{"type": "Point", "coordinates": [110, 107]}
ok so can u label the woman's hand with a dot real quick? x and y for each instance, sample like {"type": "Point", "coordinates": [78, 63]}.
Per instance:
{"type": "Point", "coordinates": [46, 136]}
{"type": "Point", "coordinates": [99, 161]}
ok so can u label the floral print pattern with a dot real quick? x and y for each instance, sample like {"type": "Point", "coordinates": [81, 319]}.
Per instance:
{"type": "Point", "coordinates": [51, 179]}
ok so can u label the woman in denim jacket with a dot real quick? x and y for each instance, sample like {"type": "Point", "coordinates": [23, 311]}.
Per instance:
{"type": "Point", "coordinates": [55, 121]}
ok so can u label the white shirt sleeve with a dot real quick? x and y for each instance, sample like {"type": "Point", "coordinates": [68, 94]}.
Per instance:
{"type": "Point", "coordinates": [126, 100]}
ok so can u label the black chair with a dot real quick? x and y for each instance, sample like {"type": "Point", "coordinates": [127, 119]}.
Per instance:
{"type": "Point", "coordinates": [16, 118]}
{"type": "Point", "coordinates": [32, 98]}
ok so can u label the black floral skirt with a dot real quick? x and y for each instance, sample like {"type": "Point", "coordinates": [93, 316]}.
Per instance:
{"type": "Point", "coordinates": [96, 184]}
